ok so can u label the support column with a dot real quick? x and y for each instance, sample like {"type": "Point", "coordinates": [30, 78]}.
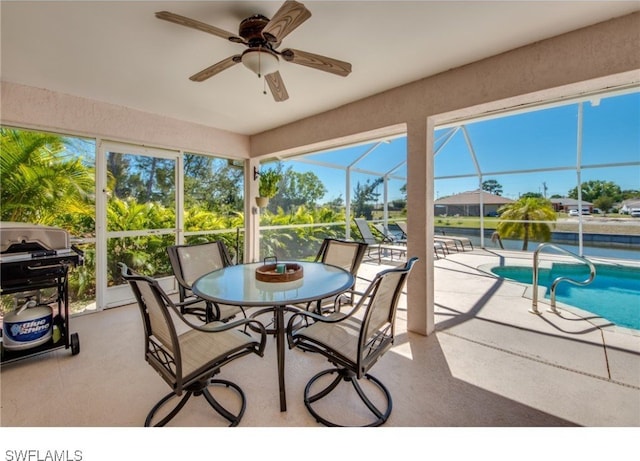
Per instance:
{"type": "Point", "coordinates": [420, 290]}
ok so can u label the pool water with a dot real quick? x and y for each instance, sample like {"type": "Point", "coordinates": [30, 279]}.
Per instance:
{"type": "Point", "coordinates": [614, 294]}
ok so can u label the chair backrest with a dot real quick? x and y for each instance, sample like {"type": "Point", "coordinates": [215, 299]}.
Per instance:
{"type": "Point", "coordinates": [365, 231]}
{"type": "Point", "coordinates": [342, 253]}
{"type": "Point", "coordinates": [378, 322]}
{"type": "Point", "coordinates": [162, 348]}
{"type": "Point", "coordinates": [403, 227]}
{"type": "Point", "coordinates": [384, 231]}
{"type": "Point", "coordinates": [190, 262]}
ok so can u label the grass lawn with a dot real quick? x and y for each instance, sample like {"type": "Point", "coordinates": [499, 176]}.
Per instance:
{"type": "Point", "coordinates": [594, 224]}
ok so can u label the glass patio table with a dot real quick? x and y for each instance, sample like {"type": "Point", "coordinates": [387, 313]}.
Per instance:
{"type": "Point", "coordinates": [237, 285]}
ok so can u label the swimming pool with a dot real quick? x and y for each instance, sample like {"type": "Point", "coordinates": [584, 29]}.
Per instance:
{"type": "Point", "coordinates": [614, 294]}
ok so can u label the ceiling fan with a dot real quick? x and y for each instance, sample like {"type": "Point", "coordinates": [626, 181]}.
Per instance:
{"type": "Point", "coordinates": [262, 36]}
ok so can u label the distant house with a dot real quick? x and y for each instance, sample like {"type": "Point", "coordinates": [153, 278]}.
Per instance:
{"type": "Point", "coordinates": [468, 204]}
{"type": "Point", "coordinates": [565, 204]}
{"type": "Point", "coordinates": [627, 205]}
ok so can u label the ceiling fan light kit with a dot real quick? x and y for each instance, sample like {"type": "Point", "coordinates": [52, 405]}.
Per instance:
{"type": "Point", "coordinates": [262, 36]}
{"type": "Point", "coordinates": [260, 61]}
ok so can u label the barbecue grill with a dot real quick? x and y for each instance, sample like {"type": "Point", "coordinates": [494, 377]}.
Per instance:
{"type": "Point", "coordinates": [33, 260]}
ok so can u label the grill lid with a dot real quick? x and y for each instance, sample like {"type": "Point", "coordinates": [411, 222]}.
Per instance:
{"type": "Point", "coordinates": [25, 237]}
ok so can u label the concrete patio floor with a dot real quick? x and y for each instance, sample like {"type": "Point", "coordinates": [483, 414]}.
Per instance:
{"type": "Point", "coordinates": [490, 363]}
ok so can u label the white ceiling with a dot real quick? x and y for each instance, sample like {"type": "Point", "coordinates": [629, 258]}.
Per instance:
{"type": "Point", "coordinates": [119, 52]}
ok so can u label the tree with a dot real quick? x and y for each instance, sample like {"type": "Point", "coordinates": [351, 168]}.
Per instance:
{"type": "Point", "coordinates": [297, 189]}
{"type": "Point", "coordinates": [593, 189]}
{"type": "Point", "coordinates": [518, 220]}
{"type": "Point", "coordinates": [336, 204]}
{"type": "Point", "coordinates": [492, 186]}
{"type": "Point", "coordinates": [148, 179]}
{"type": "Point", "coordinates": [630, 194]}
{"type": "Point", "coordinates": [363, 195]}
{"type": "Point", "coordinates": [42, 183]}
{"type": "Point", "coordinates": [531, 195]}
{"type": "Point", "coordinates": [604, 202]}
{"type": "Point", "coordinates": [213, 184]}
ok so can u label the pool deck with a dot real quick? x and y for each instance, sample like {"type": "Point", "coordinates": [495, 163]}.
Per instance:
{"type": "Point", "coordinates": [575, 365]}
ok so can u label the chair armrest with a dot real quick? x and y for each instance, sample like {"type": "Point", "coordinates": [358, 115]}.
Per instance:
{"type": "Point", "coordinates": [217, 327]}
{"type": "Point", "coordinates": [213, 327]}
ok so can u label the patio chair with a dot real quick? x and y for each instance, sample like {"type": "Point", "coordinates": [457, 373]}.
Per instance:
{"type": "Point", "coordinates": [190, 262]}
{"type": "Point", "coordinates": [347, 255]}
{"type": "Point", "coordinates": [188, 356]}
{"type": "Point", "coordinates": [374, 244]}
{"type": "Point", "coordinates": [353, 343]}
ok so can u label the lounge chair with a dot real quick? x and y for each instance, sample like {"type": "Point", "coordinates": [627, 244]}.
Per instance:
{"type": "Point", "coordinates": [459, 242]}
{"type": "Point", "coordinates": [374, 244]}
{"type": "Point", "coordinates": [439, 245]}
{"type": "Point", "coordinates": [450, 242]}
{"type": "Point", "coordinates": [389, 237]}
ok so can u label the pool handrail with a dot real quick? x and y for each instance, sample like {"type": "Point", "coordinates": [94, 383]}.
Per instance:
{"type": "Point", "coordinates": [556, 281]}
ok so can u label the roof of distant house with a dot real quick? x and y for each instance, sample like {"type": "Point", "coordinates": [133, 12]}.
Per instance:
{"type": "Point", "coordinates": [566, 201]}
{"type": "Point", "coordinates": [473, 198]}
{"type": "Point", "coordinates": [631, 203]}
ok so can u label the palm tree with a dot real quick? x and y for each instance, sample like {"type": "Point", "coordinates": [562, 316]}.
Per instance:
{"type": "Point", "coordinates": [520, 219]}
{"type": "Point", "coordinates": [41, 183]}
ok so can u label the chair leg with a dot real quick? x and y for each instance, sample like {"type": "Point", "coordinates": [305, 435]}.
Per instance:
{"type": "Point", "coordinates": [197, 389]}
{"type": "Point", "coordinates": [171, 414]}
{"type": "Point", "coordinates": [233, 419]}
{"type": "Point", "coordinates": [347, 376]}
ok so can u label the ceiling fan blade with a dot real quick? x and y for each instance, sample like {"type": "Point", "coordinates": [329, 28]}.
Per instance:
{"type": "Point", "coordinates": [290, 15]}
{"type": "Point", "coordinates": [188, 22]}
{"type": "Point", "coordinates": [216, 68]}
{"type": "Point", "coordinates": [276, 85]}
{"type": "Point", "coordinates": [317, 61]}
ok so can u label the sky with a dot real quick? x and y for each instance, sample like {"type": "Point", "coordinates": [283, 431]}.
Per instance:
{"type": "Point", "coordinates": [543, 139]}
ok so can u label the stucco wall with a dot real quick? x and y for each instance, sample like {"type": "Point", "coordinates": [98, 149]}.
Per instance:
{"type": "Point", "coordinates": [37, 108]}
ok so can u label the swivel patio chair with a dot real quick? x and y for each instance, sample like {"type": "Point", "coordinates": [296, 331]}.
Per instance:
{"type": "Point", "coordinates": [190, 262]}
{"type": "Point", "coordinates": [374, 244]}
{"type": "Point", "coordinates": [347, 255]}
{"type": "Point", "coordinates": [188, 356]}
{"type": "Point", "coordinates": [353, 343]}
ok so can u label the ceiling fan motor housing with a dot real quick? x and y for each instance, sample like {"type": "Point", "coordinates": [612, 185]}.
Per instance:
{"type": "Point", "coordinates": [251, 30]}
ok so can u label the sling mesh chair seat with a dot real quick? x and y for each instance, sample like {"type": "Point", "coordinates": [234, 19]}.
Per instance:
{"type": "Point", "coordinates": [353, 343]}
{"type": "Point", "coordinates": [188, 356]}
{"type": "Point", "coordinates": [190, 262]}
